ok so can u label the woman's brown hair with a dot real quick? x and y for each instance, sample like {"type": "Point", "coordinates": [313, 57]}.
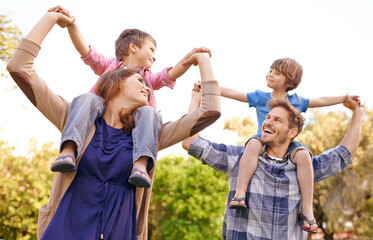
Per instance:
{"type": "Point", "coordinates": [109, 85]}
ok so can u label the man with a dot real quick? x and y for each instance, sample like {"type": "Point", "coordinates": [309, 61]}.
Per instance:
{"type": "Point", "coordinates": [273, 197]}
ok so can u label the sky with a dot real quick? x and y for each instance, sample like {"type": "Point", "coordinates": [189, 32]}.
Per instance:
{"type": "Point", "coordinates": [331, 39]}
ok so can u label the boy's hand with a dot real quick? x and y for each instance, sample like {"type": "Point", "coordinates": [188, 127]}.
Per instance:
{"type": "Point", "coordinates": [200, 50]}
{"type": "Point", "coordinates": [354, 98]}
{"type": "Point", "coordinates": [196, 50]}
{"type": "Point", "coordinates": [60, 9]}
{"type": "Point", "coordinates": [196, 94]}
{"type": "Point", "coordinates": [352, 102]}
{"type": "Point", "coordinates": [195, 58]}
{"type": "Point", "coordinates": [197, 87]}
{"type": "Point", "coordinates": [60, 19]}
{"type": "Point", "coordinates": [63, 11]}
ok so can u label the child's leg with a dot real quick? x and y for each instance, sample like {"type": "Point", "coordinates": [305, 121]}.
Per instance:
{"type": "Point", "coordinates": [248, 164]}
{"type": "Point", "coordinates": [305, 177]}
{"type": "Point", "coordinates": [144, 135]}
{"type": "Point", "coordinates": [84, 110]}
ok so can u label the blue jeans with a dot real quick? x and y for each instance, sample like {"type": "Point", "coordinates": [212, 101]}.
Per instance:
{"type": "Point", "coordinates": [86, 108]}
{"type": "Point", "coordinates": [293, 148]}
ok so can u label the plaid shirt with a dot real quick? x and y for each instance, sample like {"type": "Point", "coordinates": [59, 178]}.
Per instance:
{"type": "Point", "coordinates": [273, 196]}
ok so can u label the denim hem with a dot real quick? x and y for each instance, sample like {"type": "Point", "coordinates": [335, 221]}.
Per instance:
{"type": "Point", "coordinates": [76, 141]}
{"type": "Point", "coordinates": [151, 160]}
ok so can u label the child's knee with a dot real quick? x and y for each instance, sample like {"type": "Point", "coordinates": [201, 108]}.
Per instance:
{"type": "Point", "coordinates": [147, 112]}
{"type": "Point", "coordinates": [254, 145]}
{"type": "Point", "coordinates": [302, 157]}
{"type": "Point", "coordinates": [90, 98]}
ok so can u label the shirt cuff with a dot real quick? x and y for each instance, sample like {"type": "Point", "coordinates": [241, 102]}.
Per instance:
{"type": "Point", "coordinates": [92, 57]}
{"type": "Point", "coordinates": [210, 87]}
{"type": "Point", "coordinates": [29, 46]}
{"type": "Point", "coordinates": [194, 149]}
{"type": "Point", "coordinates": [166, 79]}
{"type": "Point", "coordinates": [343, 151]}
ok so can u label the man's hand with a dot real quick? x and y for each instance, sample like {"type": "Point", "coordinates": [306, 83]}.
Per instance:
{"type": "Point", "coordinates": [352, 102]}
{"type": "Point", "coordinates": [196, 94]}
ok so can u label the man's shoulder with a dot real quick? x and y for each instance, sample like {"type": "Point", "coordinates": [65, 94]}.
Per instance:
{"type": "Point", "coordinates": [198, 141]}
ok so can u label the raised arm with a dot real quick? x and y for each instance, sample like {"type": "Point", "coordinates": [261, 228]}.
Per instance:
{"type": "Point", "coordinates": [195, 103]}
{"type": "Point", "coordinates": [233, 94]}
{"type": "Point", "coordinates": [45, 24]}
{"type": "Point", "coordinates": [89, 55]}
{"type": "Point", "coordinates": [205, 115]}
{"type": "Point", "coordinates": [77, 38]}
{"type": "Point", "coordinates": [329, 101]}
{"type": "Point", "coordinates": [352, 137]}
{"type": "Point", "coordinates": [181, 67]}
{"type": "Point", "coordinates": [335, 160]}
{"type": "Point", "coordinates": [20, 67]}
{"type": "Point", "coordinates": [75, 35]}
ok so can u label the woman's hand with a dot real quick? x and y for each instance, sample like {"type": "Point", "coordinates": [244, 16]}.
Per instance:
{"type": "Point", "coordinates": [195, 58]}
{"type": "Point", "coordinates": [63, 17]}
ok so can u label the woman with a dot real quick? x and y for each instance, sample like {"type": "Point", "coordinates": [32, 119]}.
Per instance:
{"type": "Point", "coordinates": [104, 204]}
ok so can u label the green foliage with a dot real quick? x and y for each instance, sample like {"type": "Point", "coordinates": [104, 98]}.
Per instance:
{"type": "Point", "coordinates": [188, 200]}
{"type": "Point", "coordinates": [10, 37]}
{"type": "Point", "coordinates": [348, 195]}
{"type": "Point", "coordinates": [26, 182]}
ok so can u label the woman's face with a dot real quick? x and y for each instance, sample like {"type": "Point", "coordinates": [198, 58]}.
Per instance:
{"type": "Point", "coordinates": [136, 91]}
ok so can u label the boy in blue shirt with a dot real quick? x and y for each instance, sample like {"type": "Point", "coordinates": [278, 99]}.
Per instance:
{"type": "Point", "coordinates": [284, 75]}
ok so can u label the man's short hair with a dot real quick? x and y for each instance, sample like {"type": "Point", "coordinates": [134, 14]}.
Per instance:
{"type": "Point", "coordinates": [296, 119]}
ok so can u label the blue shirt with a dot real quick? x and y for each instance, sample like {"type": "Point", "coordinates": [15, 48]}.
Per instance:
{"type": "Point", "coordinates": [273, 195]}
{"type": "Point", "coordinates": [259, 100]}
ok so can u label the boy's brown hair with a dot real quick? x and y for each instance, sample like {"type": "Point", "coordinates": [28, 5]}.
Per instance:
{"type": "Point", "coordinates": [295, 118]}
{"type": "Point", "coordinates": [292, 70]}
{"type": "Point", "coordinates": [136, 36]}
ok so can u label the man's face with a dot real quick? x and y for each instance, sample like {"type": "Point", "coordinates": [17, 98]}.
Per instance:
{"type": "Point", "coordinates": [275, 127]}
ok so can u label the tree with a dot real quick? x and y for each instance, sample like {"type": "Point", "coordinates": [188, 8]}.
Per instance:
{"type": "Point", "coordinates": [26, 182]}
{"type": "Point", "coordinates": [188, 200]}
{"type": "Point", "coordinates": [244, 127]}
{"type": "Point", "coordinates": [348, 195]}
{"type": "Point", "coordinates": [10, 37]}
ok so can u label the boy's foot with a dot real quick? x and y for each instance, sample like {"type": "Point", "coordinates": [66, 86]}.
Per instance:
{"type": "Point", "coordinates": [139, 180]}
{"type": "Point", "coordinates": [237, 203]}
{"type": "Point", "coordinates": [308, 225]}
{"type": "Point", "coordinates": [65, 163]}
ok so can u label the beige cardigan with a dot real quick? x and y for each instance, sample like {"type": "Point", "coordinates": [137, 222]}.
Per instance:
{"type": "Point", "coordinates": [56, 108]}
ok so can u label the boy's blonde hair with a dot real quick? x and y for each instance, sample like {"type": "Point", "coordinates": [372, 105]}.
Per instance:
{"type": "Point", "coordinates": [292, 70]}
{"type": "Point", "coordinates": [136, 36]}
